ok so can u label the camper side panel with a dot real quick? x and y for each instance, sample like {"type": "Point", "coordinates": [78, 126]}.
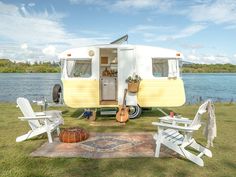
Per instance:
{"type": "Point", "coordinates": [81, 78]}
{"type": "Point", "coordinates": [155, 91]}
{"type": "Point", "coordinates": [81, 93]}
{"type": "Point", "coordinates": [161, 93]}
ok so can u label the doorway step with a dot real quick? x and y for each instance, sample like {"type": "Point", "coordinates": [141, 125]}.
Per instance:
{"type": "Point", "coordinates": [108, 111]}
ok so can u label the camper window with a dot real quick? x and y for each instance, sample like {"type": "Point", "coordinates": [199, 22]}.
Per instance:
{"type": "Point", "coordinates": [79, 68]}
{"type": "Point", "coordinates": [160, 67]}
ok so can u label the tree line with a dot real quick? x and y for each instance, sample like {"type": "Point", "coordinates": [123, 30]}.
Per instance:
{"type": "Point", "coordinates": [209, 68]}
{"type": "Point", "coordinates": [7, 66]}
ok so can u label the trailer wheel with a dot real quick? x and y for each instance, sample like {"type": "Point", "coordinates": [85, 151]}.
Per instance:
{"type": "Point", "coordinates": [56, 93]}
{"type": "Point", "coordinates": [134, 112]}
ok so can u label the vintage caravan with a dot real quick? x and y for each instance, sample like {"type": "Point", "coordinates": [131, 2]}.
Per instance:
{"type": "Point", "coordinates": [95, 77]}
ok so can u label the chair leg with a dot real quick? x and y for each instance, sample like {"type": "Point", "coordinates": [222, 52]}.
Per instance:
{"type": "Point", "coordinates": [49, 137]}
{"type": "Point", "coordinates": [195, 159]}
{"type": "Point", "coordinates": [157, 137]}
{"type": "Point", "coordinates": [201, 149]}
{"type": "Point", "coordinates": [24, 137]}
{"type": "Point", "coordinates": [29, 135]}
{"type": "Point", "coordinates": [183, 152]}
{"type": "Point", "coordinates": [58, 131]}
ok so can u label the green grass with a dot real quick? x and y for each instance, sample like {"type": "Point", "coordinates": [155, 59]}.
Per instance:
{"type": "Point", "coordinates": [15, 159]}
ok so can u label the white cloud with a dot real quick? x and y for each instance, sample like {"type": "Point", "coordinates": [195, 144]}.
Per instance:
{"type": "Point", "coordinates": [36, 29]}
{"type": "Point", "coordinates": [189, 31]}
{"type": "Point", "coordinates": [141, 4]}
{"type": "Point", "coordinates": [208, 59]}
{"type": "Point", "coordinates": [144, 28]}
{"type": "Point", "coordinates": [192, 46]}
{"type": "Point", "coordinates": [127, 5]}
{"type": "Point", "coordinates": [150, 35]}
{"type": "Point", "coordinates": [235, 55]}
{"type": "Point", "coordinates": [15, 51]}
{"type": "Point", "coordinates": [82, 1]}
{"type": "Point", "coordinates": [219, 11]}
{"type": "Point", "coordinates": [49, 50]}
{"type": "Point", "coordinates": [91, 2]}
{"type": "Point", "coordinates": [149, 32]}
{"type": "Point", "coordinates": [24, 46]}
{"type": "Point", "coordinates": [23, 10]}
{"type": "Point", "coordinates": [31, 4]}
{"type": "Point", "coordinates": [23, 25]}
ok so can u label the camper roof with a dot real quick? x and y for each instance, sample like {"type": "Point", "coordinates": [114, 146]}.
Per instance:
{"type": "Point", "coordinates": [73, 53]}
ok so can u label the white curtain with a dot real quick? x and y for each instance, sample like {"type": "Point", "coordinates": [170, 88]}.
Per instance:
{"type": "Point", "coordinates": [173, 68]}
{"type": "Point", "coordinates": [70, 66]}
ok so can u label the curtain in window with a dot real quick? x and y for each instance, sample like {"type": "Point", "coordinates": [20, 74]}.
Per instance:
{"type": "Point", "coordinates": [79, 68]}
{"type": "Point", "coordinates": [173, 68]}
{"type": "Point", "coordinates": [70, 66]}
{"type": "Point", "coordinates": [160, 67]}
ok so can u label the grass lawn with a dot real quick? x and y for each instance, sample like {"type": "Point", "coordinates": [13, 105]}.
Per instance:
{"type": "Point", "coordinates": [15, 159]}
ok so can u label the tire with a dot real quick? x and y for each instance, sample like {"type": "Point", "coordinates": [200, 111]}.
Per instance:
{"type": "Point", "coordinates": [56, 93]}
{"type": "Point", "coordinates": [134, 112]}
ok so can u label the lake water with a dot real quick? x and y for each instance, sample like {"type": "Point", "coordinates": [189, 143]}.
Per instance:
{"type": "Point", "coordinates": [35, 86]}
{"type": "Point", "coordinates": [218, 87]}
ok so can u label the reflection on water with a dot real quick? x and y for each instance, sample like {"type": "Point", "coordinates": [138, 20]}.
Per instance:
{"type": "Point", "coordinates": [219, 87]}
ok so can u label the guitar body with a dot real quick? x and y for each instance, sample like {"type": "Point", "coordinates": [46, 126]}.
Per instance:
{"type": "Point", "coordinates": [123, 114]}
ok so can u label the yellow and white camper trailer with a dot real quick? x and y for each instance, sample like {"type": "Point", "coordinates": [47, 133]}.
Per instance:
{"type": "Point", "coordinates": [95, 77]}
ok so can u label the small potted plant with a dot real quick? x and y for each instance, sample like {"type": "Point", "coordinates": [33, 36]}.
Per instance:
{"type": "Point", "coordinates": [133, 83]}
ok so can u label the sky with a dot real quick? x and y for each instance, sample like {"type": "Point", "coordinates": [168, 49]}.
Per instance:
{"type": "Point", "coordinates": [203, 30]}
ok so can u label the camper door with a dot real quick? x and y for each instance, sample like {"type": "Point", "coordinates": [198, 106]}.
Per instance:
{"type": "Point", "coordinates": [126, 67]}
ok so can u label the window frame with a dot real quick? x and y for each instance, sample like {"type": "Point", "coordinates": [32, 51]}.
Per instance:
{"type": "Point", "coordinates": [75, 60]}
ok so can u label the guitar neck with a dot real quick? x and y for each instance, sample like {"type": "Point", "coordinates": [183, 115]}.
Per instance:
{"type": "Point", "coordinates": [125, 93]}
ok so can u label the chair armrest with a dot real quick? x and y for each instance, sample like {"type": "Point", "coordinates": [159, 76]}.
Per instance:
{"type": "Point", "coordinates": [40, 114]}
{"type": "Point", "coordinates": [57, 111]}
{"type": "Point", "coordinates": [183, 120]}
{"type": "Point", "coordinates": [176, 127]}
{"type": "Point", "coordinates": [35, 118]}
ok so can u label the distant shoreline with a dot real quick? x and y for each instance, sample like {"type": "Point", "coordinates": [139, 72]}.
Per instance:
{"type": "Point", "coordinates": [7, 66]}
{"type": "Point", "coordinates": [60, 72]}
{"type": "Point", "coordinates": [209, 68]}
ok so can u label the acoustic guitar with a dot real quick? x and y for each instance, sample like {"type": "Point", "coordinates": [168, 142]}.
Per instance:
{"type": "Point", "coordinates": [123, 114]}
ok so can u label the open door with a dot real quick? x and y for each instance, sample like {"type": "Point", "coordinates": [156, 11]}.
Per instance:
{"type": "Point", "coordinates": [108, 76]}
{"type": "Point", "coordinates": [126, 67]}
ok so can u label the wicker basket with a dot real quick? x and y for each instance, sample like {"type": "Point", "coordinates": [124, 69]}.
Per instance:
{"type": "Point", "coordinates": [133, 87]}
{"type": "Point", "coordinates": [73, 135]}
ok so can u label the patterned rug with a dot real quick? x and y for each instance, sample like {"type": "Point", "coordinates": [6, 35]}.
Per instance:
{"type": "Point", "coordinates": [105, 145]}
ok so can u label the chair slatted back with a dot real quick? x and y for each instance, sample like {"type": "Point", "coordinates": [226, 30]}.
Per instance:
{"type": "Point", "coordinates": [27, 111]}
{"type": "Point", "coordinates": [201, 110]}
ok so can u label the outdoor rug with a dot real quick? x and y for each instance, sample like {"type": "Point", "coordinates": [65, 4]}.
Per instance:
{"type": "Point", "coordinates": [105, 145]}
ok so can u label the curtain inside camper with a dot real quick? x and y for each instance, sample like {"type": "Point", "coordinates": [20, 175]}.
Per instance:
{"type": "Point", "coordinates": [160, 67]}
{"type": "Point", "coordinates": [79, 68]}
{"type": "Point", "coordinates": [173, 68]}
{"type": "Point", "coordinates": [165, 67]}
{"type": "Point", "coordinates": [69, 67]}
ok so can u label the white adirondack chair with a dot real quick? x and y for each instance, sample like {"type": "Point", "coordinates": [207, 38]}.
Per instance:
{"type": "Point", "coordinates": [40, 122]}
{"type": "Point", "coordinates": [176, 134]}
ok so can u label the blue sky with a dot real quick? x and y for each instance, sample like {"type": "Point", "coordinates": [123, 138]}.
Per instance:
{"type": "Point", "coordinates": [204, 30]}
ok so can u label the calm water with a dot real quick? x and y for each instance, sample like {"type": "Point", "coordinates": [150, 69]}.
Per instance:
{"type": "Point", "coordinates": [33, 86]}
{"type": "Point", "coordinates": [219, 87]}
